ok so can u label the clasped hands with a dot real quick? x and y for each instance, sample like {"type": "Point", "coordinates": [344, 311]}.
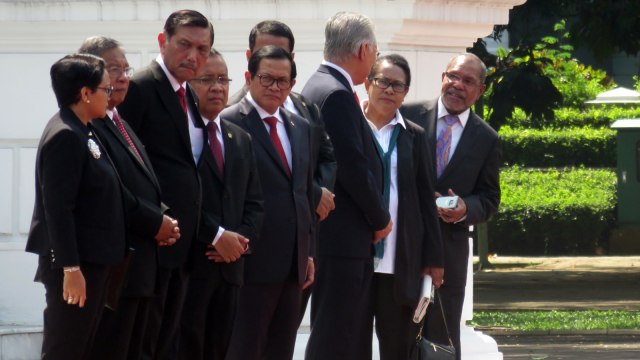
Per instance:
{"type": "Point", "coordinates": [229, 247]}
{"type": "Point", "coordinates": [169, 232]}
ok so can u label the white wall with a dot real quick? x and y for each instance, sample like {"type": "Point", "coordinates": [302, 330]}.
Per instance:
{"type": "Point", "coordinates": [34, 34]}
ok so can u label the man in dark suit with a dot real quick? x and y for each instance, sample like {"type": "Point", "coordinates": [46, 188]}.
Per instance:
{"type": "Point", "coordinates": [414, 247]}
{"type": "Point", "coordinates": [341, 304]}
{"type": "Point", "coordinates": [468, 167]}
{"type": "Point", "coordinates": [161, 110]}
{"type": "Point", "coordinates": [120, 332]}
{"type": "Point", "coordinates": [232, 208]}
{"type": "Point", "coordinates": [279, 266]}
{"type": "Point", "coordinates": [273, 32]}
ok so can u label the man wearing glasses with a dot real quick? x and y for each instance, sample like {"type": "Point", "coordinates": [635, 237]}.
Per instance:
{"type": "Point", "coordinates": [232, 210]}
{"type": "Point", "coordinates": [279, 268]}
{"type": "Point", "coordinates": [467, 165]}
{"type": "Point", "coordinates": [119, 334]}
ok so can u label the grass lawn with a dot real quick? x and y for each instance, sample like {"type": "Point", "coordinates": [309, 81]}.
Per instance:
{"type": "Point", "coordinates": [557, 320]}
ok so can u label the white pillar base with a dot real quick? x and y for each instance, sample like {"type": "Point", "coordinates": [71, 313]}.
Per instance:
{"type": "Point", "coordinates": [475, 344]}
{"type": "Point", "coordinates": [478, 346]}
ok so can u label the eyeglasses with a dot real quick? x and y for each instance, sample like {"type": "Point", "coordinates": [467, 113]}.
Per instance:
{"type": "Point", "coordinates": [383, 84]}
{"type": "Point", "coordinates": [466, 81]}
{"type": "Point", "coordinates": [117, 71]}
{"type": "Point", "coordinates": [210, 81]}
{"type": "Point", "coordinates": [108, 89]}
{"type": "Point", "coordinates": [268, 80]}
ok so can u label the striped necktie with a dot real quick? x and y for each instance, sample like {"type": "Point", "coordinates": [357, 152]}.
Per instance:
{"type": "Point", "coordinates": [443, 144]}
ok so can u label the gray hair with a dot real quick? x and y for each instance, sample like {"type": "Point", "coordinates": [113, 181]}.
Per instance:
{"type": "Point", "coordinates": [344, 33]}
{"type": "Point", "coordinates": [97, 45]}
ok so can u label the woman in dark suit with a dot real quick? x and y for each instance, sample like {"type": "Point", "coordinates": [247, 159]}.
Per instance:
{"type": "Point", "coordinates": [414, 247]}
{"type": "Point", "coordinates": [78, 221]}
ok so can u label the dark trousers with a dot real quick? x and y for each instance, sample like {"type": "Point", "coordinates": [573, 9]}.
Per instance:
{"type": "Point", "coordinates": [393, 322]}
{"type": "Point", "coordinates": [69, 331]}
{"type": "Point", "coordinates": [121, 332]}
{"type": "Point", "coordinates": [163, 324]}
{"type": "Point", "coordinates": [452, 301]}
{"type": "Point", "coordinates": [207, 318]}
{"type": "Point", "coordinates": [341, 309]}
{"type": "Point", "coordinates": [267, 322]}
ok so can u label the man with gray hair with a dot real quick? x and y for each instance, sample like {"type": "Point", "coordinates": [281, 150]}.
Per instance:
{"type": "Point", "coordinates": [120, 333]}
{"type": "Point", "coordinates": [341, 305]}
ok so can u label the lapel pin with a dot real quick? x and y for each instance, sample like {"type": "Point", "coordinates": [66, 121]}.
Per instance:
{"type": "Point", "coordinates": [230, 135]}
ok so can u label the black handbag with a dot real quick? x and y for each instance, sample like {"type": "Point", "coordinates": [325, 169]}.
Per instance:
{"type": "Point", "coordinates": [424, 349]}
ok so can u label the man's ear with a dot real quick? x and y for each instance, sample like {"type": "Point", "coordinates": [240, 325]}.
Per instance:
{"type": "Point", "coordinates": [162, 40]}
{"type": "Point", "coordinates": [293, 56]}
{"type": "Point", "coordinates": [248, 54]}
{"type": "Point", "coordinates": [247, 78]}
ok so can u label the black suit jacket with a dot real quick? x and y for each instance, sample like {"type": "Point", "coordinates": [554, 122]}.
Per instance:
{"type": "Point", "coordinates": [360, 209]}
{"type": "Point", "coordinates": [472, 173]}
{"type": "Point", "coordinates": [153, 110]}
{"type": "Point", "coordinates": [145, 217]}
{"type": "Point", "coordinates": [79, 214]}
{"type": "Point", "coordinates": [285, 242]}
{"type": "Point", "coordinates": [418, 241]}
{"type": "Point", "coordinates": [233, 202]}
{"type": "Point", "coordinates": [324, 174]}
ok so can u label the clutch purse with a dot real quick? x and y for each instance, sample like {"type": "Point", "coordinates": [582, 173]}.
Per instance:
{"type": "Point", "coordinates": [424, 349]}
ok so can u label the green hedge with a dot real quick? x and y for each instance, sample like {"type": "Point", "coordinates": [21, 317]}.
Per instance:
{"type": "Point", "coordinates": [558, 147]}
{"type": "Point", "coordinates": [553, 212]}
{"type": "Point", "coordinates": [595, 116]}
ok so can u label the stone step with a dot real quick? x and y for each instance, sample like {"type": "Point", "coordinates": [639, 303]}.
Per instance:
{"type": "Point", "coordinates": [20, 342]}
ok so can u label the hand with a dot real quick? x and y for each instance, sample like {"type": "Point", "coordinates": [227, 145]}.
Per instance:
{"type": "Point", "coordinates": [231, 246]}
{"type": "Point", "coordinates": [437, 275]}
{"type": "Point", "coordinates": [452, 215]}
{"type": "Point", "coordinates": [213, 255]}
{"type": "Point", "coordinates": [168, 233]}
{"type": "Point", "coordinates": [74, 288]}
{"type": "Point", "coordinates": [381, 234]}
{"type": "Point", "coordinates": [311, 274]}
{"type": "Point", "coordinates": [326, 204]}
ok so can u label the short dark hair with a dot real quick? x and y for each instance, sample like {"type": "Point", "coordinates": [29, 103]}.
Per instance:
{"type": "Point", "coordinates": [187, 18]}
{"type": "Point", "coordinates": [271, 27]}
{"type": "Point", "coordinates": [98, 45]}
{"type": "Point", "coordinates": [73, 72]}
{"type": "Point", "coordinates": [395, 59]}
{"type": "Point", "coordinates": [270, 52]}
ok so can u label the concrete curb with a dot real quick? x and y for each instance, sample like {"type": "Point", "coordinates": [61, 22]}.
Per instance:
{"type": "Point", "coordinates": [602, 332]}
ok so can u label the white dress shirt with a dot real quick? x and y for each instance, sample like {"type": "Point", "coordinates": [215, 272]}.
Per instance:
{"type": "Point", "coordinates": [195, 133]}
{"type": "Point", "coordinates": [383, 137]}
{"type": "Point", "coordinates": [282, 131]}
{"type": "Point", "coordinates": [456, 129]}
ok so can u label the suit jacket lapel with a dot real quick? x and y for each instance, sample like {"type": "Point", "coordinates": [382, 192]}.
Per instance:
{"type": "Point", "coordinates": [296, 137]}
{"type": "Point", "coordinates": [172, 104]}
{"type": "Point", "coordinates": [256, 127]}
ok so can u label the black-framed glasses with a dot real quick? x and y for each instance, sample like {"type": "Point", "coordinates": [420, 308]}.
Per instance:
{"type": "Point", "coordinates": [117, 71]}
{"type": "Point", "coordinates": [466, 81]}
{"type": "Point", "coordinates": [107, 89]}
{"type": "Point", "coordinates": [210, 81]}
{"type": "Point", "coordinates": [268, 80]}
{"type": "Point", "coordinates": [384, 83]}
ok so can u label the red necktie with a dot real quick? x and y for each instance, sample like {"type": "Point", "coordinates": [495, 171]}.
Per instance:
{"type": "Point", "coordinates": [216, 147]}
{"type": "Point", "coordinates": [182, 98]}
{"type": "Point", "coordinates": [125, 135]}
{"type": "Point", "coordinates": [273, 131]}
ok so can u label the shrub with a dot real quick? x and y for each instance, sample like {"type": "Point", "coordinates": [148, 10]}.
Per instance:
{"type": "Point", "coordinates": [558, 147]}
{"type": "Point", "coordinates": [593, 116]}
{"type": "Point", "coordinates": [553, 211]}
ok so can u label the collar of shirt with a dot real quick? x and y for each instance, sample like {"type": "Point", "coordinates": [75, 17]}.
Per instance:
{"type": "Point", "coordinates": [110, 113]}
{"type": "Point", "coordinates": [289, 105]}
{"type": "Point", "coordinates": [262, 112]}
{"type": "Point", "coordinates": [442, 112]}
{"type": "Point", "coordinates": [398, 119]}
{"type": "Point", "coordinates": [216, 120]}
{"type": "Point", "coordinates": [174, 83]}
{"type": "Point", "coordinates": [342, 71]}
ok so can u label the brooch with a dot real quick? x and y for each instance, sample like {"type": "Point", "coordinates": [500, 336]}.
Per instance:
{"type": "Point", "coordinates": [94, 149]}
